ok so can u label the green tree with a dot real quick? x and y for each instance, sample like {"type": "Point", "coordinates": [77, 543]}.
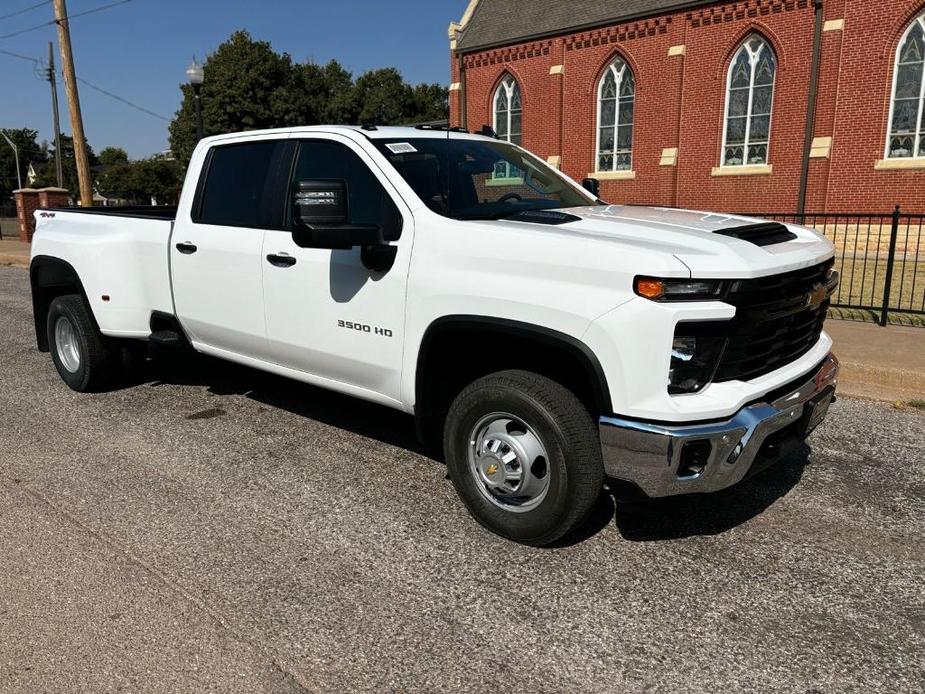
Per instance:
{"type": "Point", "coordinates": [155, 180]}
{"type": "Point", "coordinates": [47, 177]}
{"type": "Point", "coordinates": [383, 97]}
{"type": "Point", "coordinates": [338, 102]}
{"type": "Point", "coordinates": [110, 156]}
{"type": "Point", "coordinates": [248, 86]}
{"type": "Point", "coordinates": [320, 94]}
{"type": "Point", "coordinates": [30, 151]}
{"type": "Point", "coordinates": [430, 103]}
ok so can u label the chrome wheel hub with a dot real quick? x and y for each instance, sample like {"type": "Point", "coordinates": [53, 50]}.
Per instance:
{"type": "Point", "coordinates": [67, 345]}
{"type": "Point", "coordinates": [509, 462]}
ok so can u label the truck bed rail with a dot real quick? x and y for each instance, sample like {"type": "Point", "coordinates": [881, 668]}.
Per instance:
{"type": "Point", "coordinates": [136, 211]}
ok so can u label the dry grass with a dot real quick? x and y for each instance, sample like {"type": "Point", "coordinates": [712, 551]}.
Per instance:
{"type": "Point", "coordinates": [872, 237]}
{"type": "Point", "coordinates": [862, 282]}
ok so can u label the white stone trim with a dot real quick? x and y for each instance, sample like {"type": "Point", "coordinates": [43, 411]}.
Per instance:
{"type": "Point", "coordinates": [899, 164]}
{"type": "Point", "coordinates": [751, 170]}
{"type": "Point", "coordinates": [669, 156]}
{"type": "Point", "coordinates": [613, 175]}
{"type": "Point", "coordinates": [820, 148]}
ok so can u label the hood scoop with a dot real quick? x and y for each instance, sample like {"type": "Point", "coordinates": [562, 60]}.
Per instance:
{"type": "Point", "coordinates": [544, 217]}
{"type": "Point", "coordinates": [763, 234]}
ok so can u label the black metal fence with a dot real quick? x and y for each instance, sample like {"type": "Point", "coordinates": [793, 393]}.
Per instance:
{"type": "Point", "coordinates": [7, 212]}
{"type": "Point", "coordinates": [880, 257]}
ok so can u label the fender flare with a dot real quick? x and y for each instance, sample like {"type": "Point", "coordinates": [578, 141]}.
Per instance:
{"type": "Point", "coordinates": [579, 350]}
{"type": "Point", "coordinates": [48, 272]}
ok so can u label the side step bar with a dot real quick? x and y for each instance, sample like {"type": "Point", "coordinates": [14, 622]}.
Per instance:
{"type": "Point", "coordinates": [167, 332]}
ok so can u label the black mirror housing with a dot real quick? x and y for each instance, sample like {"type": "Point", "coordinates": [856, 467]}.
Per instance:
{"type": "Point", "coordinates": [592, 185]}
{"type": "Point", "coordinates": [322, 215]}
{"type": "Point", "coordinates": [340, 237]}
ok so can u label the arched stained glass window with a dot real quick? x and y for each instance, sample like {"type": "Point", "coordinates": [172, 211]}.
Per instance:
{"type": "Point", "coordinates": [508, 118]}
{"type": "Point", "coordinates": [749, 98]}
{"type": "Point", "coordinates": [508, 111]}
{"type": "Point", "coordinates": [615, 96]}
{"type": "Point", "coordinates": [907, 110]}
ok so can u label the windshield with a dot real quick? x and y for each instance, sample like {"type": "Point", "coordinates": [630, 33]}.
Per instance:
{"type": "Point", "coordinates": [479, 179]}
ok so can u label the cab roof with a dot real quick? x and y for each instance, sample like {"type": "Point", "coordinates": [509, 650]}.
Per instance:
{"type": "Point", "coordinates": [377, 132]}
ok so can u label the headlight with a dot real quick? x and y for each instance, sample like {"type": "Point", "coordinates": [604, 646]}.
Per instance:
{"type": "Point", "coordinates": [657, 289]}
{"type": "Point", "coordinates": [694, 358]}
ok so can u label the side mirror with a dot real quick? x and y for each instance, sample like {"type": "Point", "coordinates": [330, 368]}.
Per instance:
{"type": "Point", "coordinates": [321, 203]}
{"type": "Point", "coordinates": [593, 186]}
{"type": "Point", "coordinates": [321, 218]}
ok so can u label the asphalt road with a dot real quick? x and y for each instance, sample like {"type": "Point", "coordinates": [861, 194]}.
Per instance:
{"type": "Point", "coordinates": [212, 528]}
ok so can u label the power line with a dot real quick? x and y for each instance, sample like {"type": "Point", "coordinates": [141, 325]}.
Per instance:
{"type": "Point", "coordinates": [34, 61]}
{"type": "Point", "coordinates": [118, 98]}
{"type": "Point", "coordinates": [70, 17]}
{"type": "Point", "coordinates": [121, 99]}
{"type": "Point", "coordinates": [25, 9]}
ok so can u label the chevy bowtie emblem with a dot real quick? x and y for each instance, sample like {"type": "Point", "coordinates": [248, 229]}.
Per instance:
{"type": "Point", "coordinates": [491, 469]}
{"type": "Point", "coordinates": [815, 298]}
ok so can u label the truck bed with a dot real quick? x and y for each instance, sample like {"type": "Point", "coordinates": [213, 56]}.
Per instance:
{"type": "Point", "coordinates": [120, 255]}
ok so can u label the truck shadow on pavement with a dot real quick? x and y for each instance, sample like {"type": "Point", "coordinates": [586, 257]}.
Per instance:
{"type": "Point", "coordinates": [711, 514]}
{"type": "Point", "coordinates": [649, 521]}
{"type": "Point", "coordinates": [334, 409]}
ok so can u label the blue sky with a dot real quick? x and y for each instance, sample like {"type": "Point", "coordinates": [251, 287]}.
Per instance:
{"type": "Point", "coordinates": [140, 50]}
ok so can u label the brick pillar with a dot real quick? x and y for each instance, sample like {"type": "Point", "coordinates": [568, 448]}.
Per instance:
{"type": "Point", "coordinates": [27, 202]}
{"type": "Point", "coordinates": [53, 197]}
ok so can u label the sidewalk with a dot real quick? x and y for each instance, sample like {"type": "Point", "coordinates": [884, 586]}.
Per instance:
{"type": "Point", "coordinates": [14, 252]}
{"type": "Point", "coordinates": [877, 363]}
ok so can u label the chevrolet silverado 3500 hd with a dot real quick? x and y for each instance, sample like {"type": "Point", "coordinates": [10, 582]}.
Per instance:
{"type": "Point", "coordinates": [549, 340]}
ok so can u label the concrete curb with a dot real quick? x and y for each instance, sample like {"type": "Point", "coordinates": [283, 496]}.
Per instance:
{"type": "Point", "coordinates": [868, 382]}
{"type": "Point", "coordinates": [14, 260]}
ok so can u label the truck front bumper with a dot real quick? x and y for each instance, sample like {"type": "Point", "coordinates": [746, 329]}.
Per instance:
{"type": "Point", "coordinates": [670, 459]}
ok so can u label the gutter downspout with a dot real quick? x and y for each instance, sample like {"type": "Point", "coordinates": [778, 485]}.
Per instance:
{"type": "Point", "coordinates": [811, 107]}
{"type": "Point", "coordinates": [463, 118]}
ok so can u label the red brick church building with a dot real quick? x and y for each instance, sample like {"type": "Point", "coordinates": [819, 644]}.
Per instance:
{"type": "Point", "coordinates": [748, 105]}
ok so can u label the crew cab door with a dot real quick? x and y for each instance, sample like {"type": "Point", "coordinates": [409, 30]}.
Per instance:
{"type": "Point", "coordinates": [327, 314]}
{"type": "Point", "coordinates": [215, 250]}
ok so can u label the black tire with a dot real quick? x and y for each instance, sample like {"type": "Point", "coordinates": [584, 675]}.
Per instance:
{"type": "Point", "coordinates": [568, 434]}
{"type": "Point", "coordinates": [99, 361]}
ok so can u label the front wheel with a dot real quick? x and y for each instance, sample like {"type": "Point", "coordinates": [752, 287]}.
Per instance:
{"type": "Point", "coordinates": [82, 355]}
{"type": "Point", "coordinates": [523, 454]}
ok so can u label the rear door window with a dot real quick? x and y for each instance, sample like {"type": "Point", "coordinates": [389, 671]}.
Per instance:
{"type": "Point", "coordinates": [240, 185]}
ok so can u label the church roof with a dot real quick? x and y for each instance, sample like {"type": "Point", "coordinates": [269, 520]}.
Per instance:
{"type": "Point", "coordinates": [499, 22]}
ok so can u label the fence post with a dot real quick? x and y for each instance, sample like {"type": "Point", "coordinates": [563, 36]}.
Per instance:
{"type": "Point", "coordinates": [894, 232]}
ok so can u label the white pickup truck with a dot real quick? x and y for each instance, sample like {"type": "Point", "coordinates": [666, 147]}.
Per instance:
{"type": "Point", "coordinates": [552, 342]}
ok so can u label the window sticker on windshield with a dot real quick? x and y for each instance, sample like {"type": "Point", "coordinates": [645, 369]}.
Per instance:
{"type": "Point", "coordinates": [401, 147]}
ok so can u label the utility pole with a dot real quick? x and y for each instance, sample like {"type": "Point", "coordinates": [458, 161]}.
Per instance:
{"type": "Point", "coordinates": [16, 155]}
{"type": "Point", "coordinates": [73, 102]}
{"type": "Point", "coordinates": [59, 166]}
